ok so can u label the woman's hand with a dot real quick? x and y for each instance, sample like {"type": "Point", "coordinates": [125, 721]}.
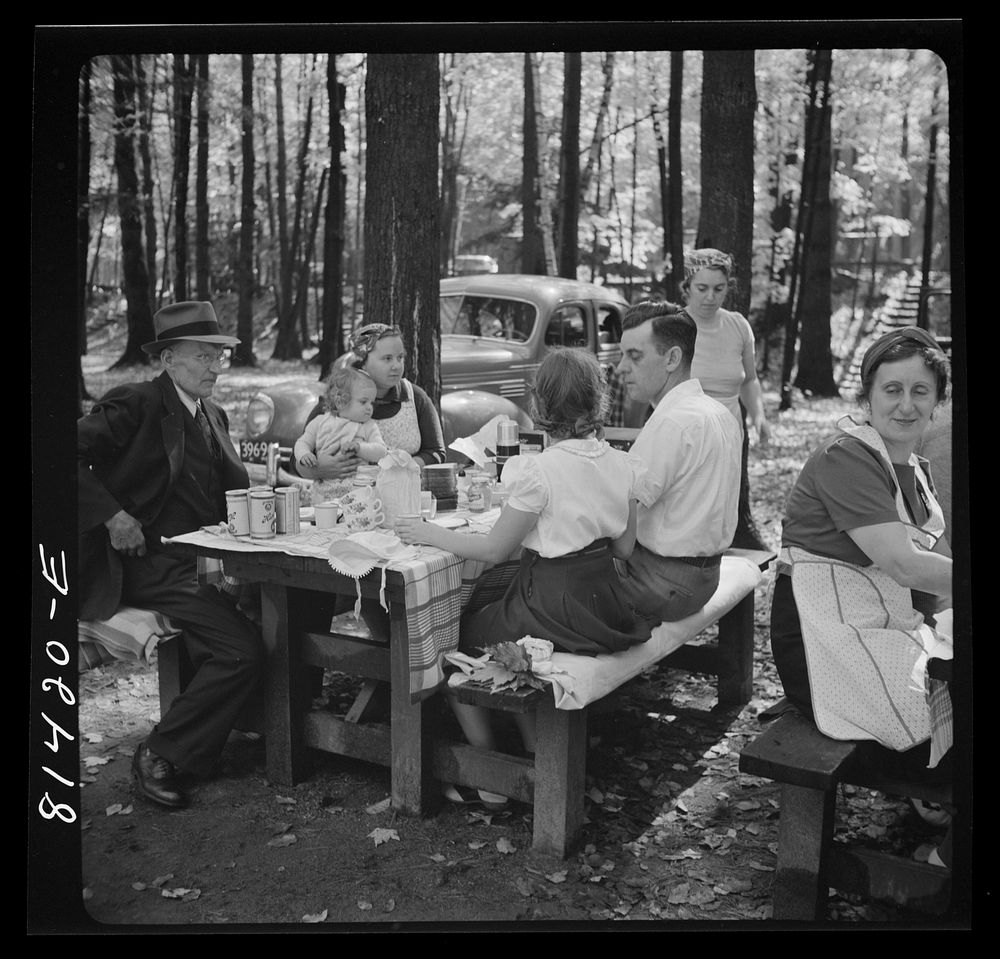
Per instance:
{"type": "Point", "coordinates": [763, 428]}
{"type": "Point", "coordinates": [336, 465]}
{"type": "Point", "coordinates": [411, 530]}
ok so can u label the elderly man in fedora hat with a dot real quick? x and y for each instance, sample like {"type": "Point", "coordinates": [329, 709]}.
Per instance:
{"type": "Point", "coordinates": [155, 459]}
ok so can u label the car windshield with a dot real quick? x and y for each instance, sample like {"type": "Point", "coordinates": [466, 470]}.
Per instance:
{"type": "Point", "coordinates": [487, 316]}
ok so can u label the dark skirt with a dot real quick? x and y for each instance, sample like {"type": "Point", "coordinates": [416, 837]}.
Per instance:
{"type": "Point", "coordinates": [909, 766]}
{"type": "Point", "coordinates": [573, 601]}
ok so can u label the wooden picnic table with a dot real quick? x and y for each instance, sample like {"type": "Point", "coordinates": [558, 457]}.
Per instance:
{"type": "Point", "coordinates": [423, 597]}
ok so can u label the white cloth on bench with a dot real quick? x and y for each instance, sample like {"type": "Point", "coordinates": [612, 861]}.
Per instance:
{"type": "Point", "coordinates": [130, 634]}
{"type": "Point", "coordinates": [589, 678]}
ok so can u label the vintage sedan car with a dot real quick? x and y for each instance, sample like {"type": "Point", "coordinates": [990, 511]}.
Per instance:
{"type": "Point", "coordinates": [495, 329]}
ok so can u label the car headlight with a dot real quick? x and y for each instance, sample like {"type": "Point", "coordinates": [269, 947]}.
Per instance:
{"type": "Point", "coordinates": [260, 414]}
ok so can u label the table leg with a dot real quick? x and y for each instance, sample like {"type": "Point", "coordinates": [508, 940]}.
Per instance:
{"type": "Point", "coordinates": [414, 788]}
{"type": "Point", "coordinates": [287, 756]}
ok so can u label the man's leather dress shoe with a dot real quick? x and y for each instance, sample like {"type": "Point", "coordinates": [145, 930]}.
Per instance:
{"type": "Point", "coordinates": [155, 778]}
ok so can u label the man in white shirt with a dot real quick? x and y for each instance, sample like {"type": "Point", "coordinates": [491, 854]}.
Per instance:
{"type": "Point", "coordinates": [691, 446]}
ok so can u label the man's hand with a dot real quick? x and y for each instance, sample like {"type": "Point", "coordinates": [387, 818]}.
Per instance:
{"type": "Point", "coordinates": [126, 534]}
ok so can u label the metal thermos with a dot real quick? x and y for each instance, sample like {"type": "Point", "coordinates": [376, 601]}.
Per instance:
{"type": "Point", "coordinates": [286, 509]}
{"type": "Point", "coordinates": [508, 443]}
{"type": "Point", "coordinates": [272, 465]}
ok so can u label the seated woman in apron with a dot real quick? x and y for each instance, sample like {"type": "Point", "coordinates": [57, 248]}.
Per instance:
{"type": "Point", "coordinates": [862, 598]}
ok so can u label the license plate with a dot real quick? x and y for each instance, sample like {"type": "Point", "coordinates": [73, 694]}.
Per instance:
{"type": "Point", "coordinates": [253, 452]}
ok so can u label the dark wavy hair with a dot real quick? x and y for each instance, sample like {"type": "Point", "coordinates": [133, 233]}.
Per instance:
{"type": "Point", "coordinates": [672, 326]}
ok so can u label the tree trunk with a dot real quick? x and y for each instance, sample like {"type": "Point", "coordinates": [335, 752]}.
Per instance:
{"type": "Point", "coordinates": [282, 296]}
{"type": "Point", "coordinates": [819, 92]}
{"type": "Point", "coordinates": [288, 343]}
{"type": "Point", "coordinates": [331, 343]}
{"type": "Point", "coordinates": [183, 93]}
{"type": "Point", "coordinates": [569, 179]}
{"type": "Point", "coordinates": [145, 99]}
{"type": "Point", "coordinates": [306, 263]}
{"type": "Point", "coordinates": [728, 104]}
{"type": "Point", "coordinates": [136, 281]}
{"type": "Point", "coordinates": [545, 201]}
{"type": "Point", "coordinates": [676, 186]}
{"type": "Point", "coordinates": [532, 247]}
{"type": "Point", "coordinates": [815, 364]}
{"type": "Point", "coordinates": [82, 228]}
{"type": "Point", "coordinates": [201, 252]}
{"type": "Point", "coordinates": [402, 100]}
{"type": "Point", "coordinates": [450, 160]}
{"type": "Point", "coordinates": [244, 354]}
{"type": "Point", "coordinates": [594, 153]}
{"type": "Point", "coordinates": [928, 240]}
{"type": "Point", "coordinates": [664, 183]}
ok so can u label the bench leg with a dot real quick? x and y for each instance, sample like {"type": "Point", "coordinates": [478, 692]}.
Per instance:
{"type": "Point", "coordinates": [735, 646]}
{"type": "Point", "coordinates": [560, 777]}
{"type": "Point", "coordinates": [805, 831]}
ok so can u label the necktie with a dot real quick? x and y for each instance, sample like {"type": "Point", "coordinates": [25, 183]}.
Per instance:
{"type": "Point", "coordinates": [206, 431]}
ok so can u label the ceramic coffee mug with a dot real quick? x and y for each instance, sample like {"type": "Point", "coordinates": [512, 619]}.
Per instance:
{"type": "Point", "coordinates": [362, 514]}
{"type": "Point", "coordinates": [325, 515]}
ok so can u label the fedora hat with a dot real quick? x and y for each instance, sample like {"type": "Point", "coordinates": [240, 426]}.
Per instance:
{"type": "Point", "coordinates": [187, 320]}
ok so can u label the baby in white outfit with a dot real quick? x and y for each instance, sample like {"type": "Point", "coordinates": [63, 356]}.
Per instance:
{"type": "Point", "coordinates": [348, 426]}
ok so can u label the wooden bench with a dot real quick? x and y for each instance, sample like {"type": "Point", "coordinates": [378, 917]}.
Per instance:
{"type": "Point", "coordinates": [554, 781]}
{"type": "Point", "coordinates": [133, 633]}
{"type": "Point", "coordinates": [810, 766]}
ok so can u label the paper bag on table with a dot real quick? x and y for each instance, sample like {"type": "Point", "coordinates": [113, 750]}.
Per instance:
{"type": "Point", "coordinates": [482, 444]}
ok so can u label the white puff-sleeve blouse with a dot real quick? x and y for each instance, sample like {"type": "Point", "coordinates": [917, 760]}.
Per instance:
{"type": "Point", "coordinates": [580, 491]}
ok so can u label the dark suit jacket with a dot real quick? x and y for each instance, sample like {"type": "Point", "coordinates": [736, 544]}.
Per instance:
{"type": "Point", "coordinates": [130, 450]}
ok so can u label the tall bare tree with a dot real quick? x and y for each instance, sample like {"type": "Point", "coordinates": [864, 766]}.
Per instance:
{"type": "Point", "coordinates": [402, 100]}
{"type": "Point", "coordinates": [145, 100]}
{"type": "Point", "coordinates": [675, 235]}
{"type": "Point", "coordinates": [139, 316]}
{"type": "Point", "coordinates": [818, 81]}
{"type": "Point", "coordinates": [331, 343]}
{"type": "Point", "coordinates": [928, 239]}
{"type": "Point", "coordinates": [455, 94]}
{"type": "Point", "coordinates": [815, 360]}
{"type": "Point", "coordinates": [728, 104]}
{"type": "Point", "coordinates": [569, 172]}
{"type": "Point", "coordinates": [532, 245]}
{"type": "Point", "coordinates": [245, 285]}
{"type": "Point", "coordinates": [183, 94]}
{"type": "Point", "coordinates": [201, 253]}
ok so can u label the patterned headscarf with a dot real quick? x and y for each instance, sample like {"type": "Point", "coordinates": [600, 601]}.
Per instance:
{"type": "Point", "coordinates": [887, 341]}
{"type": "Point", "coordinates": [707, 258]}
{"type": "Point", "coordinates": [364, 339]}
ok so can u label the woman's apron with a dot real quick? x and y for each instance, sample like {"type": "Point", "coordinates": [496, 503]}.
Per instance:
{"type": "Point", "coordinates": [866, 646]}
{"type": "Point", "coordinates": [402, 431]}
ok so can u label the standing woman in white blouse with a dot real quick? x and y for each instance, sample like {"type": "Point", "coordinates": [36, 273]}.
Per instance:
{"type": "Point", "coordinates": [725, 363]}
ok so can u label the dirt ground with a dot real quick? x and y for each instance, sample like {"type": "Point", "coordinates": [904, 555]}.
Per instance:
{"type": "Point", "coordinates": [674, 831]}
